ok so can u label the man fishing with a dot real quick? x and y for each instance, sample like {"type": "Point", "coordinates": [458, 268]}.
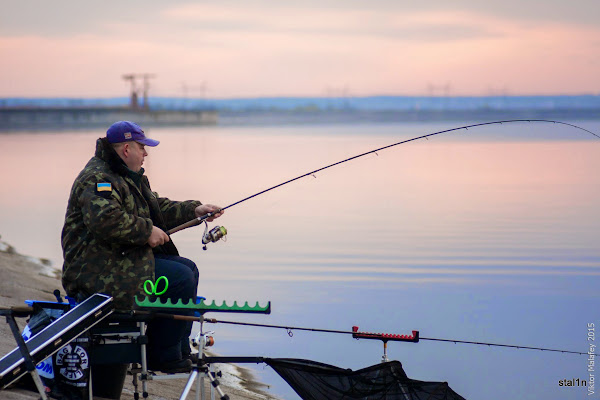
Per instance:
{"type": "Point", "coordinates": [114, 240]}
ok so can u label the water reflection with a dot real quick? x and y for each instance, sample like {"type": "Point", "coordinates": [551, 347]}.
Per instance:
{"type": "Point", "coordinates": [449, 198]}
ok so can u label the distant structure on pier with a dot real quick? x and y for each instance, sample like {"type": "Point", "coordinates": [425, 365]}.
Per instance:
{"type": "Point", "coordinates": [134, 97]}
{"type": "Point", "coordinates": [85, 116]}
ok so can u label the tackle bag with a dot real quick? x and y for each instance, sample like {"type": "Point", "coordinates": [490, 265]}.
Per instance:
{"type": "Point", "coordinates": [66, 374]}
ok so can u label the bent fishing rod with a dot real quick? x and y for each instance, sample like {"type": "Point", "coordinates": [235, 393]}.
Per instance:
{"type": "Point", "coordinates": [215, 235]}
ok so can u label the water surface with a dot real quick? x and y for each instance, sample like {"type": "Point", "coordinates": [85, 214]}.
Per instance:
{"type": "Point", "coordinates": [486, 235]}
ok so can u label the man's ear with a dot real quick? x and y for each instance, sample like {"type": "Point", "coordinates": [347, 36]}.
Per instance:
{"type": "Point", "coordinates": [126, 149]}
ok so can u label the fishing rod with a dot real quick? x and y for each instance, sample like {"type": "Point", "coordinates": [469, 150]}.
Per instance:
{"type": "Point", "coordinates": [385, 337]}
{"type": "Point", "coordinates": [217, 235]}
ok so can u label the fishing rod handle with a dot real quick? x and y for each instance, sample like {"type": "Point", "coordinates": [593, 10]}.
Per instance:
{"type": "Point", "coordinates": [193, 222]}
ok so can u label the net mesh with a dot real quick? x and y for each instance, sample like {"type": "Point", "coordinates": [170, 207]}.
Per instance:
{"type": "Point", "coordinates": [317, 381]}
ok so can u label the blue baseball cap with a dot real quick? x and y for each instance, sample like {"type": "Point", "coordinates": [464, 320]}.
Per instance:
{"type": "Point", "coordinates": [127, 131]}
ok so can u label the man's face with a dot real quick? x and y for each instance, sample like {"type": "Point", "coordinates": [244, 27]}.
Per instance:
{"type": "Point", "coordinates": [135, 156]}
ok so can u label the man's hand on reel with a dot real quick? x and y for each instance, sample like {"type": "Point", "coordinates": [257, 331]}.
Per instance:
{"type": "Point", "coordinates": [209, 208]}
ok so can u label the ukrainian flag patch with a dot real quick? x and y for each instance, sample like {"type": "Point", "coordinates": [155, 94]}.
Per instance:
{"type": "Point", "coordinates": [104, 187]}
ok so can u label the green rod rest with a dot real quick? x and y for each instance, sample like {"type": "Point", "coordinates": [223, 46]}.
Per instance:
{"type": "Point", "coordinates": [201, 307]}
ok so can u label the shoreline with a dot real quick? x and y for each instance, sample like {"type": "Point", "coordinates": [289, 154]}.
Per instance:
{"type": "Point", "coordinates": [29, 278]}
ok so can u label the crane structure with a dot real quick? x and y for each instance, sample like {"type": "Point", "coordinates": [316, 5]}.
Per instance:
{"type": "Point", "coordinates": [134, 99]}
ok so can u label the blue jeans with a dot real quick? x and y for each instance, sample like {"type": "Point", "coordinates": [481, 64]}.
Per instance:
{"type": "Point", "coordinates": [168, 339]}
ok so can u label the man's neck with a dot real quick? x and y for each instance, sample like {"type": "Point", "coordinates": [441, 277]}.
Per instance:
{"type": "Point", "coordinates": [136, 176]}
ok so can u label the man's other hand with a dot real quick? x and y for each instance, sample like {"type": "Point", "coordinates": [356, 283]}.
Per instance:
{"type": "Point", "coordinates": [157, 237]}
{"type": "Point", "coordinates": [208, 208]}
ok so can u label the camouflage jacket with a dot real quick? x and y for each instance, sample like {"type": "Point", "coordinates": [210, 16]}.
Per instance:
{"type": "Point", "coordinates": [109, 218]}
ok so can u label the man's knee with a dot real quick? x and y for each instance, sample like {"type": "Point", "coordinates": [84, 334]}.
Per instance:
{"type": "Point", "coordinates": [191, 265]}
{"type": "Point", "coordinates": [180, 281]}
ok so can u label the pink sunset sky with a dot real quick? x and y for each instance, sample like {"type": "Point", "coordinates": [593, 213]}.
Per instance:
{"type": "Point", "coordinates": [223, 49]}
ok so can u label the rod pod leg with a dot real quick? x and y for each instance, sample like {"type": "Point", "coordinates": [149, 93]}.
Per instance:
{"type": "Point", "coordinates": [29, 365]}
{"type": "Point", "coordinates": [144, 360]}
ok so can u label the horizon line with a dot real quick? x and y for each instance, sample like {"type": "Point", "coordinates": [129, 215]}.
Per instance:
{"type": "Point", "coordinates": [307, 96]}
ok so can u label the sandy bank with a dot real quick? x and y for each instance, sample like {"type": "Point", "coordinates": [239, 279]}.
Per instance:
{"type": "Point", "coordinates": [23, 278]}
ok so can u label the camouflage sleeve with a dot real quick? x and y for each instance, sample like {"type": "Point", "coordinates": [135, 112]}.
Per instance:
{"type": "Point", "coordinates": [103, 214]}
{"type": "Point", "coordinates": [177, 212]}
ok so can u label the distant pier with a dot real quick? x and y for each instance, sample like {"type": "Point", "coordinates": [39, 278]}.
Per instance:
{"type": "Point", "coordinates": [49, 118]}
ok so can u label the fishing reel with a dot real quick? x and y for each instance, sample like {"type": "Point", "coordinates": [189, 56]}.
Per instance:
{"type": "Point", "coordinates": [203, 340]}
{"type": "Point", "coordinates": [214, 235]}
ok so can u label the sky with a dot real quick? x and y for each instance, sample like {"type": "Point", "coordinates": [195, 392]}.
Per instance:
{"type": "Point", "coordinates": [254, 48]}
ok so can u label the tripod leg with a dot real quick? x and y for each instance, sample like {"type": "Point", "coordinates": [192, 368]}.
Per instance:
{"type": "Point", "coordinates": [188, 385]}
{"type": "Point", "coordinates": [202, 394]}
{"type": "Point", "coordinates": [215, 383]}
{"type": "Point", "coordinates": [211, 370]}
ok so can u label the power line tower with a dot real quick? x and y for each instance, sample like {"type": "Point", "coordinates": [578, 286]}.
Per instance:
{"type": "Point", "coordinates": [134, 103]}
{"type": "Point", "coordinates": [202, 88]}
{"type": "Point", "coordinates": [438, 90]}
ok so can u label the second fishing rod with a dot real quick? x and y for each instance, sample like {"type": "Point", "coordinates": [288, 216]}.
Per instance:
{"type": "Point", "coordinates": [219, 232]}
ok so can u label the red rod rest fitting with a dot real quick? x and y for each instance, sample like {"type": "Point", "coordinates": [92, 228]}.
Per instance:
{"type": "Point", "coordinates": [385, 336]}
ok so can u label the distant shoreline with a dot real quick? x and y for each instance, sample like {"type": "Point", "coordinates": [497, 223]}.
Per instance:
{"type": "Point", "coordinates": [70, 119]}
{"type": "Point", "coordinates": [400, 116]}
{"type": "Point", "coordinates": [81, 113]}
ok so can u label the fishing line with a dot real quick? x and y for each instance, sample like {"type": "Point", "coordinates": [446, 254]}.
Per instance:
{"type": "Point", "coordinates": [505, 345]}
{"type": "Point", "coordinates": [385, 337]}
{"type": "Point", "coordinates": [199, 220]}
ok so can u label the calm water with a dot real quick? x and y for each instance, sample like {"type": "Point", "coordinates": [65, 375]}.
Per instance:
{"type": "Point", "coordinates": [486, 235]}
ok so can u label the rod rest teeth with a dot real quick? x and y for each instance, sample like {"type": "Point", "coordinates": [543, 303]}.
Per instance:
{"type": "Point", "coordinates": [414, 338]}
{"type": "Point", "coordinates": [202, 306]}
